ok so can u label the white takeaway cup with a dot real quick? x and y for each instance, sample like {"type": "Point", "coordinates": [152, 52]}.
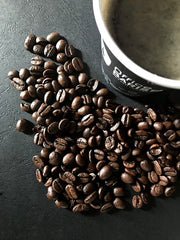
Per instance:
{"type": "Point", "coordinates": [120, 71]}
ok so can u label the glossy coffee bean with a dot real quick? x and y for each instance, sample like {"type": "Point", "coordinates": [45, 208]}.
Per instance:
{"type": "Point", "coordinates": [53, 37]}
{"type": "Point", "coordinates": [30, 42]}
{"type": "Point", "coordinates": [12, 74]}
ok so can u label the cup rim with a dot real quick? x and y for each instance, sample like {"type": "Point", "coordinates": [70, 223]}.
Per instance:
{"type": "Point", "coordinates": [126, 61]}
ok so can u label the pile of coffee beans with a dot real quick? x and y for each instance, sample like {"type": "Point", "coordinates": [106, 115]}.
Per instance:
{"type": "Point", "coordinates": [93, 149]}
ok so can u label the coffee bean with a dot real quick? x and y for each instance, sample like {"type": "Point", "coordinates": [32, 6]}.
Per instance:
{"type": "Point", "coordinates": [152, 114]}
{"type": "Point", "coordinates": [136, 187]}
{"type": "Point", "coordinates": [106, 207]}
{"type": "Point", "coordinates": [176, 123]}
{"type": "Point", "coordinates": [102, 92]}
{"type": "Point", "coordinates": [48, 182]}
{"type": "Point", "coordinates": [156, 190]}
{"type": "Point", "coordinates": [37, 61]}
{"type": "Point", "coordinates": [38, 161]}
{"type": "Point", "coordinates": [38, 49]}
{"type": "Point", "coordinates": [38, 139]}
{"type": "Point", "coordinates": [53, 37]}
{"type": "Point", "coordinates": [127, 178]}
{"type": "Point", "coordinates": [49, 51]}
{"type": "Point", "coordinates": [60, 45]}
{"type": "Point", "coordinates": [71, 191]}
{"type": "Point", "coordinates": [18, 84]}
{"type": "Point", "coordinates": [51, 194]}
{"type": "Point", "coordinates": [61, 57]}
{"type": "Point", "coordinates": [178, 166]}
{"type": "Point", "coordinates": [68, 159]}
{"type": "Point", "coordinates": [81, 143]}
{"type": "Point", "coordinates": [87, 120]}
{"type": "Point", "coordinates": [126, 120]}
{"type": "Point", "coordinates": [88, 188]}
{"type": "Point", "coordinates": [119, 203]}
{"type": "Point", "coordinates": [23, 125]}
{"type": "Point", "coordinates": [153, 177]}
{"type": "Point", "coordinates": [61, 144]}
{"type": "Point", "coordinates": [30, 42]}
{"type": "Point", "coordinates": [69, 50]}
{"type": "Point", "coordinates": [61, 204]}
{"type": "Point", "coordinates": [105, 172]}
{"type": "Point", "coordinates": [68, 67]}
{"type": "Point", "coordinates": [137, 201]}
{"type": "Point", "coordinates": [32, 91]}
{"type": "Point", "coordinates": [39, 176]}
{"type": "Point", "coordinates": [169, 191]}
{"type": "Point", "coordinates": [63, 80]}
{"type": "Point", "coordinates": [84, 110]}
{"type": "Point", "coordinates": [93, 84]}
{"type": "Point", "coordinates": [54, 158]}
{"type": "Point", "coordinates": [81, 207]}
{"type": "Point", "coordinates": [146, 165]}
{"type": "Point", "coordinates": [41, 41]}
{"type": "Point", "coordinates": [157, 168]}
{"type": "Point", "coordinates": [109, 143]}
{"type": "Point", "coordinates": [13, 74]}
{"type": "Point", "coordinates": [56, 185]}
{"type": "Point", "coordinates": [158, 126]}
{"type": "Point", "coordinates": [91, 197]}
{"type": "Point", "coordinates": [77, 64]}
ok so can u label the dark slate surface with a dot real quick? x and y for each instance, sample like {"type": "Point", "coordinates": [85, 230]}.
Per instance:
{"type": "Point", "coordinates": [25, 213]}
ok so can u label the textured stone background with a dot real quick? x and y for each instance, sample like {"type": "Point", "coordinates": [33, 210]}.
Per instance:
{"type": "Point", "coordinates": [25, 213]}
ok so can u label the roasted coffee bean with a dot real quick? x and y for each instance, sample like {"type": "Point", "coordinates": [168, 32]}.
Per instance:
{"type": "Point", "coordinates": [153, 177]}
{"type": "Point", "coordinates": [68, 67]}
{"type": "Point", "coordinates": [126, 120]}
{"type": "Point", "coordinates": [127, 178]}
{"type": "Point", "coordinates": [146, 165]}
{"type": "Point", "coordinates": [50, 51]}
{"type": "Point", "coordinates": [41, 41]}
{"type": "Point", "coordinates": [68, 159]}
{"type": "Point", "coordinates": [152, 114]}
{"type": "Point", "coordinates": [170, 171]}
{"type": "Point", "coordinates": [157, 190]}
{"type": "Point", "coordinates": [54, 158]}
{"type": "Point", "coordinates": [38, 49]}
{"type": "Point", "coordinates": [157, 168]}
{"type": "Point", "coordinates": [105, 172]}
{"type": "Point", "coordinates": [45, 153]}
{"type": "Point", "coordinates": [23, 125]}
{"type": "Point", "coordinates": [87, 120]}
{"type": "Point", "coordinates": [38, 161]}
{"type": "Point", "coordinates": [56, 185]}
{"type": "Point", "coordinates": [176, 123]}
{"type": "Point", "coordinates": [143, 125]}
{"type": "Point", "coordinates": [18, 84]}
{"type": "Point", "coordinates": [39, 176]}
{"type": "Point", "coordinates": [63, 80]}
{"type": "Point", "coordinates": [36, 70]}
{"type": "Point", "coordinates": [136, 187]}
{"type": "Point", "coordinates": [30, 42]}
{"type": "Point", "coordinates": [109, 143]}
{"type": "Point", "coordinates": [60, 45]}
{"type": "Point", "coordinates": [31, 80]}
{"type": "Point", "coordinates": [24, 95]}
{"type": "Point", "coordinates": [81, 207]}
{"type": "Point", "coordinates": [48, 182]}
{"type": "Point", "coordinates": [106, 207]}
{"type": "Point", "coordinates": [90, 198]}
{"type": "Point", "coordinates": [38, 139]}
{"type": "Point", "coordinates": [82, 78]}
{"type": "Point", "coordinates": [88, 188]}
{"type": "Point", "coordinates": [93, 84]}
{"type": "Point", "coordinates": [118, 192]}
{"type": "Point", "coordinates": [61, 96]}
{"type": "Point", "coordinates": [25, 107]}
{"type": "Point", "coordinates": [37, 61]}
{"type": "Point", "coordinates": [77, 64]}
{"type": "Point", "coordinates": [76, 103]}
{"type": "Point", "coordinates": [84, 110]}
{"type": "Point", "coordinates": [71, 191]}
{"type": "Point", "coordinates": [169, 191]}
{"type": "Point", "coordinates": [51, 194]}
{"type": "Point", "coordinates": [61, 144]}
{"type": "Point", "coordinates": [61, 204]}
{"type": "Point", "coordinates": [119, 203]}
{"type": "Point", "coordinates": [31, 91]}
{"type": "Point", "coordinates": [53, 37]}
{"type": "Point", "coordinates": [61, 58]}
{"type": "Point", "coordinates": [35, 105]}
{"type": "Point", "coordinates": [13, 74]}
{"type": "Point", "coordinates": [81, 143]}
{"type": "Point", "coordinates": [137, 201]}
{"type": "Point", "coordinates": [69, 50]}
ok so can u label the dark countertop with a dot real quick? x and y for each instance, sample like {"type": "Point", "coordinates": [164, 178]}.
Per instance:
{"type": "Point", "coordinates": [25, 212]}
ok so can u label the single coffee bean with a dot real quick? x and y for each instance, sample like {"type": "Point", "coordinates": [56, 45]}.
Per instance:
{"type": "Point", "coordinates": [35, 105]}
{"type": "Point", "coordinates": [48, 97]}
{"type": "Point", "coordinates": [30, 42]}
{"type": "Point", "coordinates": [69, 50]}
{"type": "Point", "coordinates": [109, 143]}
{"type": "Point", "coordinates": [77, 64]}
{"type": "Point", "coordinates": [156, 190]}
{"type": "Point", "coordinates": [61, 204]}
{"type": "Point", "coordinates": [63, 80]}
{"type": "Point", "coordinates": [118, 192]}
{"type": "Point", "coordinates": [157, 168]}
{"type": "Point", "coordinates": [143, 126]}
{"type": "Point", "coordinates": [88, 188]}
{"type": "Point", "coordinates": [39, 176]}
{"type": "Point", "coordinates": [56, 185]}
{"type": "Point", "coordinates": [13, 74]}
{"type": "Point", "coordinates": [153, 177]}
{"type": "Point", "coordinates": [93, 84]}
{"type": "Point", "coordinates": [176, 123]}
{"type": "Point", "coordinates": [82, 78]}
{"type": "Point", "coordinates": [68, 159]}
{"type": "Point", "coordinates": [25, 107]}
{"type": "Point", "coordinates": [61, 144]}
{"type": "Point", "coordinates": [158, 126]}
{"type": "Point", "coordinates": [38, 49]}
{"type": "Point", "coordinates": [50, 51]}
{"type": "Point", "coordinates": [71, 191]}
{"type": "Point", "coordinates": [87, 120]}
{"type": "Point", "coordinates": [106, 207]}
{"type": "Point", "coordinates": [23, 125]}
{"type": "Point", "coordinates": [51, 194]}
{"type": "Point", "coordinates": [76, 103]}
{"type": "Point", "coordinates": [48, 182]}
{"type": "Point", "coordinates": [169, 191]}
{"type": "Point", "coordinates": [38, 161]}
{"type": "Point", "coordinates": [126, 120]}
{"type": "Point", "coordinates": [54, 158]}
{"type": "Point", "coordinates": [119, 203]}
{"type": "Point", "coordinates": [105, 172]}
{"type": "Point", "coordinates": [41, 41]}
{"type": "Point", "coordinates": [53, 37]}
{"type": "Point", "coordinates": [61, 96]}
{"type": "Point", "coordinates": [60, 45]}
{"type": "Point", "coordinates": [152, 114]}
{"type": "Point", "coordinates": [24, 95]}
{"type": "Point", "coordinates": [61, 58]}
{"type": "Point", "coordinates": [127, 178]}
{"type": "Point", "coordinates": [81, 143]}
{"type": "Point", "coordinates": [38, 138]}
{"type": "Point", "coordinates": [37, 61]}
{"type": "Point", "coordinates": [18, 84]}
{"type": "Point", "coordinates": [68, 67]}
{"type": "Point", "coordinates": [84, 110]}
{"type": "Point", "coordinates": [146, 165]}
{"type": "Point", "coordinates": [137, 201]}
{"type": "Point", "coordinates": [81, 207]}
{"type": "Point", "coordinates": [91, 197]}
{"type": "Point", "coordinates": [31, 80]}
{"type": "Point", "coordinates": [45, 153]}
{"type": "Point", "coordinates": [31, 91]}
{"type": "Point", "coordinates": [102, 92]}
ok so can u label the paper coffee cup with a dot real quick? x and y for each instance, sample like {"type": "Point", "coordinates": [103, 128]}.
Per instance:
{"type": "Point", "coordinates": [120, 71]}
